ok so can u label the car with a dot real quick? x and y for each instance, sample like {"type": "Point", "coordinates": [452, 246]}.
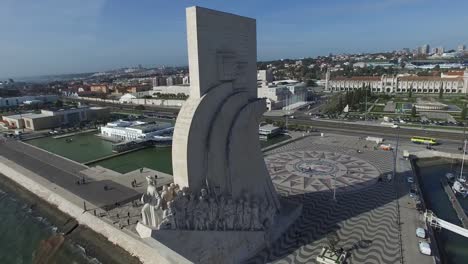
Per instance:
{"type": "Point", "coordinates": [410, 179]}
{"type": "Point", "coordinates": [412, 193]}
{"type": "Point", "coordinates": [425, 248]}
{"type": "Point", "coordinates": [420, 232]}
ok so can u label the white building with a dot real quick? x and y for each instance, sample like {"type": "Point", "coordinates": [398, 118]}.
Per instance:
{"type": "Point", "coordinates": [15, 101]}
{"type": "Point", "coordinates": [55, 118]}
{"type": "Point", "coordinates": [135, 130]}
{"type": "Point", "coordinates": [282, 94]}
{"type": "Point", "coordinates": [451, 82]}
{"type": "Point", "coordinates": [186, 80]}
{"type": "Point", "coordinates": [172, 89]}
{"type": "Point", "coordinates": [264, 77]}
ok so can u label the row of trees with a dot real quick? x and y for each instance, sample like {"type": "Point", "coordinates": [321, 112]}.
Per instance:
{"type": "Point", "coordinates": [179, 96]}
{"type": "Point", "coordinates": [355, 99]}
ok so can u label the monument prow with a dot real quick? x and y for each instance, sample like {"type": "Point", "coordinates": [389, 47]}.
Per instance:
{"type": "Point", "coordinates": [223, 204]}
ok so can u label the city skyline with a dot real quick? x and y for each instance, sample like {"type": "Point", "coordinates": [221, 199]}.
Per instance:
{"type": "Point", "coordinates": [87, 36]}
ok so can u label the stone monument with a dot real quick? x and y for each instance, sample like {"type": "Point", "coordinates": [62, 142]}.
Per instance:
{"type": "Point", "coordinates": [227, 208]}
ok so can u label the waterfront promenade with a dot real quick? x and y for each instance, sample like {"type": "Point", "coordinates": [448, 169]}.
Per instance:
{"type": "Point", "coordinates": [45, 181]}
{"type": "Point", "coordinates": [66, 174]}
{"type": "Point", "coordinates": [375, 222]}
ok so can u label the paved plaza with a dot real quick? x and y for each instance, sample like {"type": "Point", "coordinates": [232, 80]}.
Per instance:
{"type": "Point", "coordinates": [365, 218]}
{"type": "Point", "coordinates": [310, 171]}
{"type": "Point", "coordinates": [365, 215]}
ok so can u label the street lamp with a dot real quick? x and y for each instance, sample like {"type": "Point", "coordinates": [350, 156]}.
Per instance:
{"type": "Point", "coordinates": [395, 154]}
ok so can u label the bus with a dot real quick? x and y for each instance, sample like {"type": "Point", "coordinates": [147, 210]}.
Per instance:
{"type": "Point", "coordinates": [424, 140]}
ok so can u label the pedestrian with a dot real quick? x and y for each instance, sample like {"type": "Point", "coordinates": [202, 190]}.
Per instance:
{"type": "Point", "coordinates": [94, 212]}
{"type": "Point", "coordinates": [141, 170]}
{"type": "Point", "coordinates": [128, 221]}
{"type": "Point", "coordinates": [128, 214]}
{"type": "Point", "coordinates": [117, 215]}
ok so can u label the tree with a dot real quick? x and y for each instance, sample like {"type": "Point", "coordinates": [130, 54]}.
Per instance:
{"type": "Point", "coordinates": [59, 103]}
{"type": "Point", "coordinates": [441, 91]}
{"type": "Point", "coordinates": [463, 113]}
{"type": "Point", "coordinates": [140, 107]}
{"type": "Point", "coordinates": [340, 105]}
{"type": "Point", "coordinates": [413, 111]}
{"type": "Point", "coordinates": [410, 92]}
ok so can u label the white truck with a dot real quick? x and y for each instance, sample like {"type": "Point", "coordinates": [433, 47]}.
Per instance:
{"type": "Point", "coordinates": [389, 124]}
{"type": "Point", "coordinates": [377, 140]}
{"type": "Point", "coordinates": [406, 154]}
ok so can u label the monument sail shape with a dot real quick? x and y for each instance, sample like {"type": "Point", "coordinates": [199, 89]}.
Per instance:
{"type": "Point", "coordinates": [215, 142]}
{"type": "Point", "coordinates": [222, 206]}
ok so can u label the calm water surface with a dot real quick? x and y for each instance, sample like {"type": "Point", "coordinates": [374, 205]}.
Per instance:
{"type": "Point", "coordinates": [454, 245]}
{"type": "Point", "coordinates": [87, 147]}
{"type": "Point", "coordinates": [22, 232]}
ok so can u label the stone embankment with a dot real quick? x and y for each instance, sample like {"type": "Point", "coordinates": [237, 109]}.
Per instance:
{"type": "Point", "coordinates": [70, 204]}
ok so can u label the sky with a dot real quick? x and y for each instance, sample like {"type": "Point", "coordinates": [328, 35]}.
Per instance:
{"type": "Point", "coordinates": [72, 36]}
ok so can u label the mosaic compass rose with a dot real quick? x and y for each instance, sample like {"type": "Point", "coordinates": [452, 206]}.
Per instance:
{"type": "Point", "coordinates": [310, 171]}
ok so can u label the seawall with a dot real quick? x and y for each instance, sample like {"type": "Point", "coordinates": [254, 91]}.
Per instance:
{"type": "Point", "coordinates": [71, 204]}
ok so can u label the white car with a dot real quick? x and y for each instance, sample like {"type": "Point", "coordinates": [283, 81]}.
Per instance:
{"type": "Point", "coordinates": [424, 248]}
{"type": "Point", "coordinates": [410, 180]}
{"type": "Point", "coordinates": [420, 232]}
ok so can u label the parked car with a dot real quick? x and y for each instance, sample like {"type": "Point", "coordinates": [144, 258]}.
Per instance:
{"type": "Point", "coordinates": [420, 232]}
{"type": "Point", "coordinates": [412, 193]}
{"type": "Point", "coordinates": [425, 248]}
{"type": "Point", "coordinates": [410, 179]}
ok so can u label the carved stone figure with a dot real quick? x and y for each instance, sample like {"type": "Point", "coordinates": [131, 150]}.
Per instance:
{"type": "Point", "coordinates": [247, 216]}
{"type": "Point", "coordinates": [229, 215]}
{"type": "Point", "coordinates": [180, 205]}
{"type": "Point", "coordinates": [171, 192]}
{"type": "Point", "coordinates": [213, 214]}
{"type": "Point", "coordinates": [190, 211]}
{"type": "Point", "coordinates": [201, 214]}
{"type": "Point", "coordinates": [168, 221]}
{"type": "Point", "coordinates": [152, 203]}
{"type": "Point", "coordinates": [270, 216]}
{"type": "Point", "coordinates": [221, 204]}
{"type": "Point", "coordinates": [256, 221]}
{"type": "Point", "coordinates": [204, 194]}
{"type": "Point", "coordinates": [239, 214]}
{"type": "Point", "coordinates": [165, 197]}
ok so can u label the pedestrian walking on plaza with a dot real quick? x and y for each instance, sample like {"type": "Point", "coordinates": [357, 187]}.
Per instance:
{"type": "Point", "coordinates": [141, 170]}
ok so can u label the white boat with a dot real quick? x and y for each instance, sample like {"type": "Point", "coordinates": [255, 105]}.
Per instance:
{"type": "Point", "coordinates": [459, 186]}
{"type": "Point", "coordinates": [449, 176]}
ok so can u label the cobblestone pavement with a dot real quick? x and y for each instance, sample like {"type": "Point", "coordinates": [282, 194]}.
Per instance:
{"type": "Point", "coordinates": [310, 171]}
{"type": "Point", "coordinates": [365, 221]}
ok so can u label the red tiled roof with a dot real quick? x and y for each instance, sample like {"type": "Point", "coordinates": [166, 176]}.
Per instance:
{"type": "Point", "coordinates": [454, 73]}
{"type": "Point", "coordinates": [357, 78]}
{"type": "Point", "coordinates": [428, 78]}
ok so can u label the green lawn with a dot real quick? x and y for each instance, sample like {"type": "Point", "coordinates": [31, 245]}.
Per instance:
{"type": "Point", "coordinates": [378, 108]}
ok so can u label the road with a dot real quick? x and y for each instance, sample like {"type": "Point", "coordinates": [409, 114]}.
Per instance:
{"type": "Point", "coordinates": [371, 129]}
{"type": "Point", "coordinates": [166, 110]}
{"type": "Point", "coordinates": [65, 174]}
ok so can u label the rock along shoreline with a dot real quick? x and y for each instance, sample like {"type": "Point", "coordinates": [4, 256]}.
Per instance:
{"type": "Point", "coordinates": [96, 245]}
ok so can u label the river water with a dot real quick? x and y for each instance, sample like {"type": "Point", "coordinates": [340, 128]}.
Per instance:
{"type": "Point", "coordinates": [23, 235]}
{"type": "Point", "coordinates": [86, 147]}
{"type": "Point", "coordinates": [453, 246]}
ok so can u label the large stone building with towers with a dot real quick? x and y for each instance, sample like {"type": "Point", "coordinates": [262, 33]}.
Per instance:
{"type": "Point", "coordinates": [455, 82]}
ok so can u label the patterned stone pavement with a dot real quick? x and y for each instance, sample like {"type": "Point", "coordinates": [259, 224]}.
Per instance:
{"type": "Point", "coordinates": [365, 220]}
{"type": "Point", "coordinates": [310, 171]}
